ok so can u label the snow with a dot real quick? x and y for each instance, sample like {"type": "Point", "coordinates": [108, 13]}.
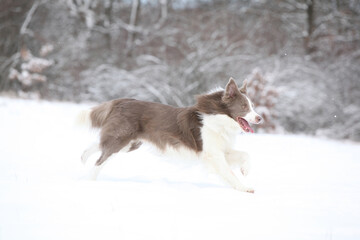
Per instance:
{"type": "Point", "coordinates": [305, 188]}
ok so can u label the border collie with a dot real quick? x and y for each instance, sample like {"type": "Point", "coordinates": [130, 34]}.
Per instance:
{"type": "Point", "coordinates": [207, 129]}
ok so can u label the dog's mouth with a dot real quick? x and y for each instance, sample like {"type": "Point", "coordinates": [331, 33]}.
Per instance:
{"type": "Point", "coordinates": [244, 124]}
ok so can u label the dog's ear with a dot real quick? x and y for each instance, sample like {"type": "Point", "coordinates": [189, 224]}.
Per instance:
{"type": "Point", "coordinates": [231, 89]}
{"type": "Point", "coordinates": [243, 87]}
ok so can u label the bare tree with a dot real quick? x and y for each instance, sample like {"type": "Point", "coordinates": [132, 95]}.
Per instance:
{"type": "Point", "coordinates": [134, 18]}
{"type": "Point", "coordinates": [307, 50]}
{"type": "Point", "coordinates": [310, 23]}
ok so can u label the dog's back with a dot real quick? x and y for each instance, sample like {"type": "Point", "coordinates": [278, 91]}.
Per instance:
{"type": "Point", "coordinates": [124, 122]}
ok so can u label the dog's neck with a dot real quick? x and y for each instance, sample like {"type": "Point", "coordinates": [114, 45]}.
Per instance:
{"type": "Point", "coordinates": [212, 104]}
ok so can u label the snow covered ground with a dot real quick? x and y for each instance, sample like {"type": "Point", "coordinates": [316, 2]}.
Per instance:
{"type": "Point", "coordinates": [306, 188]}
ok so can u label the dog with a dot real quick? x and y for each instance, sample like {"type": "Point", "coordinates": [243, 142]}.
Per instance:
{"type": "Point", "coordinates": [207, 129]}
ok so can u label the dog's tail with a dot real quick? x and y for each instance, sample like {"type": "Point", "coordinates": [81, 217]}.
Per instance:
{"type": "Point", "coordinates": [95, 117]}
{"type": "Point", "coordinates": [83, 118]}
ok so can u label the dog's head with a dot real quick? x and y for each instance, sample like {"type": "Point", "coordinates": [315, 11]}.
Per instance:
{"type": "Point", "coordinates": [241, 109]}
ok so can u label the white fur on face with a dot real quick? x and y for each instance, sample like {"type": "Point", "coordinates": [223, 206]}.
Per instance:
{"type": "Point", "coordinates": [251, 115]}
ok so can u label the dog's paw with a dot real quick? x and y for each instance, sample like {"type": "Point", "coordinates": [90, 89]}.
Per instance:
{"type": "Point", "coordinates": [250, 190]}
{"type": "Point", "coordinates": [246, 189]}
{"type": "Point", "coordinates": [245, 168]}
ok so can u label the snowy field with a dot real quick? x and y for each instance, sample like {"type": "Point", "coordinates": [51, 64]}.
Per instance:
{"type": "Point", "coordinates": [305, 188]}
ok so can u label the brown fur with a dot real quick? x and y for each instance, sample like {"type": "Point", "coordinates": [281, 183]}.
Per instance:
{"type": "Point", "coordinates": [126, 122]}
{"type": "Point", "coordinates": [129, 119]}
{"type": "Point", "coordinates": [99, 114]}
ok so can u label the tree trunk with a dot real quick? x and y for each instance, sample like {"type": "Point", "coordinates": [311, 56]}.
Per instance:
{"type": "Point", "coordinates": [134, 18]}
{"type": "Point", "coordinates": [108, 11]}
{"type": "Point", "coordinates": [310, 24]}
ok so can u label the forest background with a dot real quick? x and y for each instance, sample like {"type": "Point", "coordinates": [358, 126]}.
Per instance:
{"type": "Point", "coordinates": [301, 58]}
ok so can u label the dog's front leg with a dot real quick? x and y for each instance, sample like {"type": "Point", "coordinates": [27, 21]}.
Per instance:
{"type": "Point", "coordinates": [218, 161]}
{"type": "Point", "coordinates": [239, 159]}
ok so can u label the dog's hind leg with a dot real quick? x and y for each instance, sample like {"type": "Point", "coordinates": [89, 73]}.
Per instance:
{"type": "Point", "coordinates": [116, 136]}
{"type": "Point", "coordinates": [89, 151]}
{"type": "Point", "coordinates": [95, 172]}
{"type": "Point", "coordinates": [110, 145]}
{"type": "Point", "coordinates": [131, 146]}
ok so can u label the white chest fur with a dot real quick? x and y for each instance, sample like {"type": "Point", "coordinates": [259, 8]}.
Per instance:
{"type": "Point", "coordinates": [218, 132]}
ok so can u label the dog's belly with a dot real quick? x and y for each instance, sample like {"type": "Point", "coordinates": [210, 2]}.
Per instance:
{"type": "Point", "coordinates": [174, 151]}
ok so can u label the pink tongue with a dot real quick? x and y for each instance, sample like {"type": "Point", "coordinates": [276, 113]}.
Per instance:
{"type": "Point", "coordinates": [245, 125]}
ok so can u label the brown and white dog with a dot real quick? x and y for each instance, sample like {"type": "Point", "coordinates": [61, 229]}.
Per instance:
{"type": "Point", "coordinates": [207, 129]}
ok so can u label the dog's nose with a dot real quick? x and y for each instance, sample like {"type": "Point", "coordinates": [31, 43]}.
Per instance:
{"type": "Point", "coordinates": [258, 119]}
